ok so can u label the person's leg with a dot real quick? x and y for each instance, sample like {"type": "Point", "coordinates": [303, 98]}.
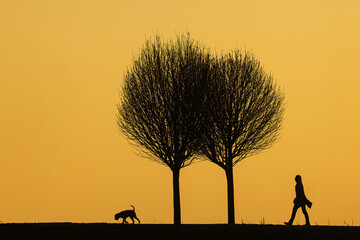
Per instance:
{"type": "Point", "coordinates": [303, 208]}
{"type": "Point", "coordinates": [295, 208]}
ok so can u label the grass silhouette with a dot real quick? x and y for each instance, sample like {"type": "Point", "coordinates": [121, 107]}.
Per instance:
{"type": "Point", "coordinates": [168, 231]}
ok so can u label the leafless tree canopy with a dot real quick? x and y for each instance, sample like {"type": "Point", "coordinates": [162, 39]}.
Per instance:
{"type": "Point", "coordinates": [247, 109]}
{"type": "Point", "coordinates": [246, 114]}
{"type": "Point", "coordinates": [178, 101]}
{"type": "Point", "coordinates": [161, 100]}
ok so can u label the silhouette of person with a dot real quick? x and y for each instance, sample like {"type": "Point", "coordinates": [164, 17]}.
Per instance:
{"type": "Point", "coordinates": [300, 201]}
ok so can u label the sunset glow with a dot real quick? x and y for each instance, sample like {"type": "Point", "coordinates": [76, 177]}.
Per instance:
{"type": "Point", "coordinates": [63, 159]}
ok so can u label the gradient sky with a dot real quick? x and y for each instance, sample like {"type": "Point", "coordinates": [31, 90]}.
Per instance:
{"type": "Point", "coordinates": [61, 67]}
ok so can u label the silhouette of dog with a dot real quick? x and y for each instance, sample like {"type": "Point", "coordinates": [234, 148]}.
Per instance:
{"type": "Point", "coordinates": [125, 214]}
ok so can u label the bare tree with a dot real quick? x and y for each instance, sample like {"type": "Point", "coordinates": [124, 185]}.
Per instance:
{"type": "Point", "coordinates": [161, 102]}
{"type": "Point", "coordinates": [246, 114]}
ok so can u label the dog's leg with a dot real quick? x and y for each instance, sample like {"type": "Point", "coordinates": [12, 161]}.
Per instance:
{"type": "Point", "coordinates": [137, 219]}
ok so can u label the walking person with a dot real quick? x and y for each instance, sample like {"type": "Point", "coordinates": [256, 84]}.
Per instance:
{"type": "Point", "coordinates": [300, 201]}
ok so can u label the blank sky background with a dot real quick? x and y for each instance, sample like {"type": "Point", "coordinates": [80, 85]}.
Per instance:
{"type": "Point", "coordinates": [61, 67]}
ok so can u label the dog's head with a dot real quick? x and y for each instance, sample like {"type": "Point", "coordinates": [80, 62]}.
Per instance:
{"type": "Point", "coordinates": [117, 216]}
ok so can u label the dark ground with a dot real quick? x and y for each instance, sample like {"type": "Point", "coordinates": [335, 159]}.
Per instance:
{"type": "Point", "coordinates": [166, 231]}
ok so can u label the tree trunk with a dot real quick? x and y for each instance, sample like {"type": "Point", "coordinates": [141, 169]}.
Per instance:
{"type": "Point", "coordinates": [230, 193]}
{"type": "Point", "coordinates": [176, 195]}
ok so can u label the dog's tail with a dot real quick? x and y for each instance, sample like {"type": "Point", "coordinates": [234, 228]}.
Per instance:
{"type": "Point", "coordinates": [133, 207]}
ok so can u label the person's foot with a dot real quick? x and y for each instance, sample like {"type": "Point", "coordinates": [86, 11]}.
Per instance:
{"type": "Point", "coordinates": [288, 223]}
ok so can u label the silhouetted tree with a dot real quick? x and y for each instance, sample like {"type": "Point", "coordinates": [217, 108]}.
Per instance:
{"type": "Point", "coordinates": [246, 114]}
{"type": "Point", "coordinates": [161, 102]}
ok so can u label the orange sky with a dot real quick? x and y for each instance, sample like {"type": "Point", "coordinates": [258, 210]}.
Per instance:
{"type": "Point", "coordinates": [63, 159]}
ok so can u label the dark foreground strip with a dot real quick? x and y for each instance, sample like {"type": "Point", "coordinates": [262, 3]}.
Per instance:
{"type": "Point", "coordinates": [79, 231]}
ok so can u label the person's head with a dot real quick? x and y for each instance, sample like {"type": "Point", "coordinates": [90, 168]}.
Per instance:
{"type": "Point", "coordinates": [298, 178]}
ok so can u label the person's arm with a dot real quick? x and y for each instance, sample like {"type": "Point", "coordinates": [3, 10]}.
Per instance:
{"type": "Point", "coordinates": [299, 191]}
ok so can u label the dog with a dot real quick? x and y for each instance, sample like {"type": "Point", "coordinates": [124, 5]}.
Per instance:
{"type": "Point", "coordinates": [127, 213]}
